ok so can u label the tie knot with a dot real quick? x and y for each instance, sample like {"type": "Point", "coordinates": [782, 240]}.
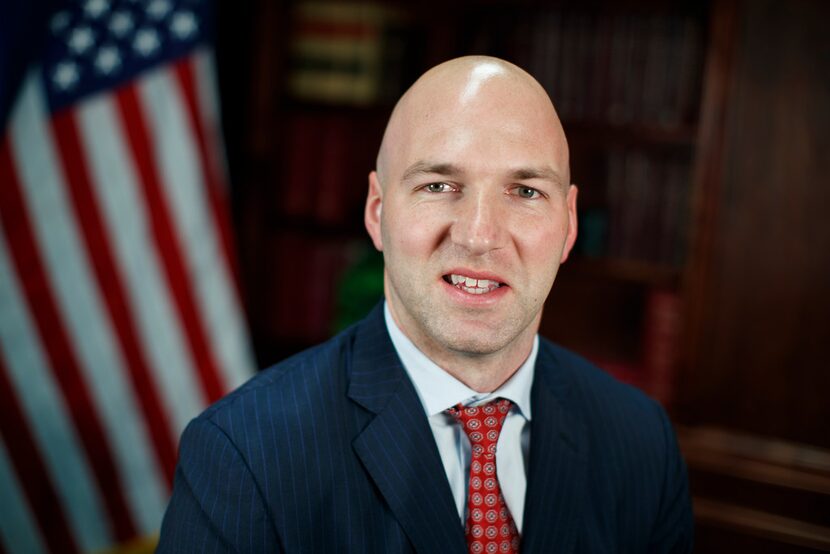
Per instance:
{"type": "Point", "coordinates": [482, 424]}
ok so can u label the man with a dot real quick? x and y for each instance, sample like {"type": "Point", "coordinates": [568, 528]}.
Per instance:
{"type": "Point", "coordinates": [442, 423]}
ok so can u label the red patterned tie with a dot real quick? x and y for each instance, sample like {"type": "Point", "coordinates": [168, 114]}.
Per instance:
{"type": "Point", "coordinates": [490, 528]}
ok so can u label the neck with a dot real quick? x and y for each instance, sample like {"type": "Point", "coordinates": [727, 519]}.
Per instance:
{"type": "Point", "coordinates": [484, 372]}
{"type": "Point", "coordinates": [481, 371]}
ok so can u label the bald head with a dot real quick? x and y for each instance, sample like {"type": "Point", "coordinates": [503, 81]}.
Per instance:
{"type": "Point", "coordinates": [474, 212]}
{"type": "Point", "coordinates": [475, 91]}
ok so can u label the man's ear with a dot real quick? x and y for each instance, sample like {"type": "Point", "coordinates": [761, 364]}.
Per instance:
{"type": "Point", "coordinates": [371, 215]}
{"type": "Point", "coordinates": [570, 239]}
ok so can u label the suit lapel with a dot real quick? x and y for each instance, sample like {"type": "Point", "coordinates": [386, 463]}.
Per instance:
{"type": "Point", "coordinates": [557, 470]}
{"type": "Point", "coordinates": [397, 447]}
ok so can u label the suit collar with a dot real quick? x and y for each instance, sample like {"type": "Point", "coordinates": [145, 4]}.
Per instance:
{"type": "Point", "coordinates": [557, 470]}
{"type": "Point", "coordinates": [399, 453]}
{"type": "Point", "coordinates": [375, 374]}
{"type": "Point", "coordinates": [397, 447]}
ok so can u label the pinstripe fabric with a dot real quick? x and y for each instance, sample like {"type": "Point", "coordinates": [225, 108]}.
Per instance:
{"type": "Point", "coordinates": [605, 471]}
{"type": "Point", "coordinates": [330, 451]}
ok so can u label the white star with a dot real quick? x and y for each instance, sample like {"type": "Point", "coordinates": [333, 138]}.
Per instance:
{"type": "Point", "coordinates": [158, 9]}
{"type": "Point", "coordinates": [146, 41]}
{"type": "Point", "coordinates": [108, 59]}
{"type": "Point", "coordinates": [96, 8]}
{"type": "Point", "coordinates": [183, 25]}
{"type": "Point", "coordinates": [81, 40]}
{"type": "Point", "coordinates": [120, 24]}
{"type": "Point", "coordinates": [59, 22]}
{"type": "Point", "coordinates": [65, 75]}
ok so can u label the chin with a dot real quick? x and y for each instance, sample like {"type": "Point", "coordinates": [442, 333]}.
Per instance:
{"type": "Point", "coordinates": [480, 336]}
{"type": "Point", "coordinates": [476, 346]}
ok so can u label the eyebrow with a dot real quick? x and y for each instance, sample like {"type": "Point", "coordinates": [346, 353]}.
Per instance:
{"type": "Point", "coordinates": [523, 173]}
{"type": "Point", "coordinates": [450, 170]}
{"type": "Point", "coordinates": [424, 167]}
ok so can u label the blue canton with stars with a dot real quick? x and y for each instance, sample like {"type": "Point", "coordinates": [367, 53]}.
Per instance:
{"type": "Point", "coordinates": [100, 44]}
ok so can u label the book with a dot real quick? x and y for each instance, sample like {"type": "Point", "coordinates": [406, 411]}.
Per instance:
{"type": "Point", "coordinates": [661, 340]}
{"type": "Point", "coordinates": [339, 51]}
{"type": "Point", "coordinates": [623, 69]}
{"type": "Point", "coordinates": [302, 166]}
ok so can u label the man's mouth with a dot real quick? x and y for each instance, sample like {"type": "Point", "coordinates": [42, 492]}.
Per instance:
{"type": "Point", "coordinates": [472, 285]}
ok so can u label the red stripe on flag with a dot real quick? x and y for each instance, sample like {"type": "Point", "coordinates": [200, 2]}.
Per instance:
{"type": "Point", "coordinates": [100, 253]}
{"type": "Point", "coordinates": [31, 471]}
{"type": "Point", "coordinates": [215, 190]}
{"type": "Point", "coordinates": [166, 241]}
{"type": "Point", "coordinates": [65, 367]}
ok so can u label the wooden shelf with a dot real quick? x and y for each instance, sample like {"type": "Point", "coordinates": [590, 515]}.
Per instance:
{"type": "Point", "coordinates": [645, 273]}
{"type": "Point", "coordinates": [372, 111]}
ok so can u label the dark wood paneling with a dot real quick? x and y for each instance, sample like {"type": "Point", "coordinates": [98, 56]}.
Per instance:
{"type": "Point", "coordinates": [760, 345]}
{"type": "Point", "coordinates": [757, 343]}
{"type": "Point", "coordinates": [764, 495]}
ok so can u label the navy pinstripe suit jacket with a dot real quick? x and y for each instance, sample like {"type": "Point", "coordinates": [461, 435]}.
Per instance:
{"type": "Point", "coordinates": [330, 451]}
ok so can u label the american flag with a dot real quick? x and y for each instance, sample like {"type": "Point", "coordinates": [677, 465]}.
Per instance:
{"type": "Point", "coordinates": [119, 315]}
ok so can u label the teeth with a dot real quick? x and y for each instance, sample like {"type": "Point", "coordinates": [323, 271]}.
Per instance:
{"type": "Point", "coordinates": [473, 286]}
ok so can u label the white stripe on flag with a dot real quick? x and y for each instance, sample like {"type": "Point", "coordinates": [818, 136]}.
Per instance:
{"type": "Point", "coordinates": [208, 100]}
{"type": "Point", "coordinates": [18, 530]}
{"type": "Point", "coordinates": [114, 179]}
{"type": "Point", "coordinates": [177, 156]}
{"type": "Point", "coordinates": [87, 321]}
{"type": "Point", "coordinates": [47, 415]}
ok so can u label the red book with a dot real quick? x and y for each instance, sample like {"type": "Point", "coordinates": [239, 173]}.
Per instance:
{"type": "Point", "coordinates": [302, 166]}
{"type": "Point", "coordinates": [661, 338]}
{"type": "Point", "coordinates": [333, 171]}
{"type": "Point", "coordinates": [625, 371]}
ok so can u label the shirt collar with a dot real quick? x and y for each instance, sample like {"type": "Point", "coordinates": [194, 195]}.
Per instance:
{"type": "Point", "coordinates": [438, 390]}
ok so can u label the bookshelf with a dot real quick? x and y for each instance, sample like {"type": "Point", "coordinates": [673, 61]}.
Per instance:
{"type": "Point", "coordinates": [626, 80]}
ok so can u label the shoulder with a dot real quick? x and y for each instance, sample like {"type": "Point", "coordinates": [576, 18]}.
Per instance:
{"type": "Point", "coordinates": [271, 430]}
{"type": "Point", "coordinates": [625, 436]}
{"type": "Point", "coordinates": [578, 378]}
{"type": "Point", "coordinates": [612, 411]}
{"type": "Point", "coordinates": [289, 390]}
{"type": "Point", "coordinates": [638, 486]}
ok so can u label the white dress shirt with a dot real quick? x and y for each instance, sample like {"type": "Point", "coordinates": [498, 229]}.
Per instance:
{"type": "Point", "coordinates": [438, 390]}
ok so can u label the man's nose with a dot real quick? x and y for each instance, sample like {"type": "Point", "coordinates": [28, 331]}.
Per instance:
{"type": "Point", "coordinates": [480, 224]}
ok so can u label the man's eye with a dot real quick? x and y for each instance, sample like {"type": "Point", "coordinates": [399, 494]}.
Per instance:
{"type": "Point", "coordinates": [438, 187]}
{"type": "Point", "coordinates": [526, 192]}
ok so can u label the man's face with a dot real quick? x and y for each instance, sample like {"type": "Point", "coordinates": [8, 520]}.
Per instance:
{"type": "Point", "coordinates": [474, 217]}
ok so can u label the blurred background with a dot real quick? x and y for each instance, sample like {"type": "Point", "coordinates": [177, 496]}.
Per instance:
{"type": "Point", "coordinates": [699, 140]}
